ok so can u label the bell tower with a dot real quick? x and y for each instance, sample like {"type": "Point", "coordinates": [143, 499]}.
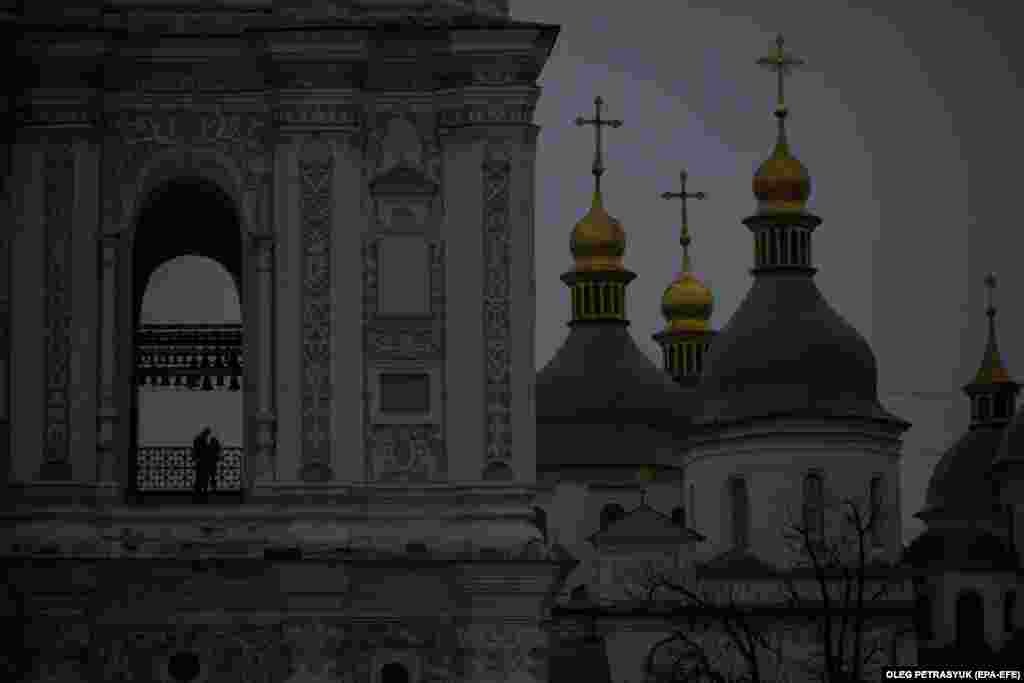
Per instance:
{"type": "Point", "coordinates": [362, 171]}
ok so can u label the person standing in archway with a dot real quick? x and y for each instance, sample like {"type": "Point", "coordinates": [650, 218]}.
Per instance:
{"type": "Point", "coordinates": [213, 451]}
{"type": "Point", "coordinates": [200, 458]}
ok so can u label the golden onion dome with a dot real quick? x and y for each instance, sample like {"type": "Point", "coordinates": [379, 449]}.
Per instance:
{"type": "Point", "coordinates": [782, 184]}
{"type": "Point", "coordinates": [598, 241]}
{"type": "Point", "coordinates": [687, 304]}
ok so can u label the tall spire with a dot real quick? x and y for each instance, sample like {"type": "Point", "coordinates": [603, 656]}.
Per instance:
{"type": "Point", "coordinates": [992, 370]}
{"type": "Point", "coordinates": [992, 391]}
{"type": "Point", "coordinates": [687, 304]}
{"type": "Point", "coordinates": [781, 184]}
{"type": "Point", "coordinates": [598, 242]}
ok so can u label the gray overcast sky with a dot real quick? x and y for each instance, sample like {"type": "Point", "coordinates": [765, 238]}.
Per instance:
{"type": "Point", "coordinates": [899, 102]}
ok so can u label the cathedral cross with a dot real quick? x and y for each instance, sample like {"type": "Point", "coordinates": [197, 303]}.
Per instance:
{"type": "Point", "coordinates": [990, 289]}
{"type": "Point", "coordinates": [682, 196]}
{"type": "Point", "coordinates": [598, 123]}
{"type": "Point", "coordinates": [782, 64]}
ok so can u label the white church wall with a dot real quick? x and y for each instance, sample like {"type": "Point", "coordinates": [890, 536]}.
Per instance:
{"type": "Point", "coordinates": [991, 587]}
{"type": "Point", "coordinates": [775, 469]}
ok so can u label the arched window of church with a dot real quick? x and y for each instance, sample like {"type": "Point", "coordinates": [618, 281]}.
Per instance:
{"type": "Point", "coordinates": [814, 506]}
{"type": "Point", "coordinates": [540, 520]}
{"type": "Point", "coordinates": [877, 510]}
{"type": "Point", "coordinates": [394, 673]}
{"type": "Point", "coordinates": [739, 512]}
{"type": "Point", "coordinates": [1009, 606]}
{"type": "Point", "coordinates": [611, 513]}
{"type": "Point", "coordinates": [923, 614]}
{"type": "Point", "coordinates": [970, 617]}
{"type": "Point", "coordinates": [983, 408]}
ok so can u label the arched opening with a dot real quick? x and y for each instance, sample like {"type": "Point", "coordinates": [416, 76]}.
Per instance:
{"type": "Point", "coordinates": [739, 513]}
{"type": "Point", "coordinates": [876, 494]}
{"type": "Point", "coordinates": [394, 672]}
{"type": "Point", "coordinates": [187, 324]}
{"type": "Point", "coordinates": [1009, 607]}
{"type": "Point", "coordinates": [970, 619]}
{"type": "Point", "coordinates": [611, 513]}
{"type": "Point", "coordinates": [814, 507]}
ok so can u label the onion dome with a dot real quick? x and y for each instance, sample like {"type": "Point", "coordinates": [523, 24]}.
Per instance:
{"type": "Point", "coordinates": [600, 393]}
{"type": "Point", "coordinates": [781, 184]}
{"type": "Point", "coordinates": [687, 305]}
{"type": "Point", "coordinates": [961, 486]}
{"type": "Point", "coordinates": [786, 351]}
{"type": "Point", "coordinates": [1011, 446]}
{"type": "Point", "coordinates": [598, 241]}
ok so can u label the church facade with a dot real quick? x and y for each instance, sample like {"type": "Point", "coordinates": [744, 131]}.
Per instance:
{"type": "Point", "coordinates": [410, 501]}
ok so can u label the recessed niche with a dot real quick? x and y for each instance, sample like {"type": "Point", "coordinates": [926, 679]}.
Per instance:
{"type": "Point", "coordinates": [183, 666]}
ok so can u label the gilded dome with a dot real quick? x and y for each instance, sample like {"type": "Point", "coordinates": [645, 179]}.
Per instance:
{"type": "Point", "coordinates": [782, 184]}
{"type": "Point", "coordinates": [598, 241]}
{"type": "Point", "coordinates": [687, 304]}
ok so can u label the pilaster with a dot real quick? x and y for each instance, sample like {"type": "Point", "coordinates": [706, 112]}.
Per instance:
{"type": "Point", "coordinates": [463, 199]}
{"type": "Point", "coordinates": [28, 262]}
{"type": "Point", "coordinates": [83, 307]}
{"type": "Point", "coordinates": [288, 260]}
{"type": "Point", "coordinates": [522, 372]}
{"type": "Point", "coordinates": [348, 226]}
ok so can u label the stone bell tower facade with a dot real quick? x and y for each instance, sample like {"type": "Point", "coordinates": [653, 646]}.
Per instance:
{"type": "Point", "coordinates": [379, 159]}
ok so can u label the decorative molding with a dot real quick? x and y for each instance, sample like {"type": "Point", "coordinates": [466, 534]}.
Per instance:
{"type": "Point", "coordinates": [316, 173]}
{"type": "Point", "coordinates": [406, 453]}
{"type": "Point", "coordinates": [504, 651]}
{"type": "Point", "coordinates": [487, 114]}
{"type": "Point", "coordinates": [193, 125]}
{"type": "Point", "coordinates": [59, 191]}
{"type": "Point", "coordinates": [497, 305]}
{"type": "Point", "coordinates": [318, 115]}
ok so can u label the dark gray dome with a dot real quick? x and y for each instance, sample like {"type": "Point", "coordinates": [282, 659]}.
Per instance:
{"type": "Point", "coordinates": [600, 377]}
{"type": "Point", "coordinates": [786, 351]}
{"type": "Point", "coordinates": [961, 485]}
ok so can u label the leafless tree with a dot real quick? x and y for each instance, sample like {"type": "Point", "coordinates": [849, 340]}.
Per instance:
{"type": "Point", "coordinates": [832, 595]}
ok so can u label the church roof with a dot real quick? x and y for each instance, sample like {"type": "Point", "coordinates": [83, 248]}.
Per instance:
{"type": "Point", "coordinates": [599, 376]}
{"type": "Point", "coordinates": [787, 352]}
{"type": "Point", "coordinates": [644, 524]}
{"type": "Point", "coordinates": [961, 484]}
{"type": "Point", "coordinates": [738, 562]}
{"type": "Point", "coordinates": [959, 549]}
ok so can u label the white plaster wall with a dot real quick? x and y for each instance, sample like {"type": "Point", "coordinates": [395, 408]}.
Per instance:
{"type": "Point", "coordinates": [992, 588]}
{"type": "Point", "coordinates": [348, 226]}
{"type": "Point", "coordinates": [574, 513]}
{"type": "Point", "coordinates": [27, 310]}
{"type": "Point", "coordinates": [627, 653]}
{"type": "Point", "coordinates": [83, 389]}
{"type": "Point", "coordinates": [774, 467]}
{"type": "Point", "coordinates": [462, 232]}
{"type": "Point", "coordinates": [288, 264]}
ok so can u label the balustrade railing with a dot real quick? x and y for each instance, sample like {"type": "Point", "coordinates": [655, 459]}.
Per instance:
{"type": "Point", "coordinates": [170, 469]}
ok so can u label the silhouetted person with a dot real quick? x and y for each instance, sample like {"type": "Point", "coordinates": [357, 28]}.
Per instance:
{"type": "Point", "coordinates": [213, 457]}
{"type": "Point", "coordinates": [200, 460]}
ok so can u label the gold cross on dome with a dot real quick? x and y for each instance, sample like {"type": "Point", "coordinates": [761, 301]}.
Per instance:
{"type": "Point", "coordinates": [990, 290]}
{"type": "Point", "coordinates": [683, 196]}
{"type": "Point", "coordinates": [782, 64]}
{"type": "Point", "coordinates": [598, 123]}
